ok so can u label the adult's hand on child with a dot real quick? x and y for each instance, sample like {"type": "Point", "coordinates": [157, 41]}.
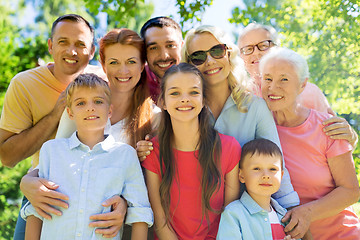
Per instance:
{"type": "Point", "coordinates": [143, 148]}
{"type": "Point", "coordinates": [109, 224]}
{"type": "Point", "coordinates": [42, 195]}
{"type": "Point", "coordinates": [288, 237]}
{"type": "Point", "coordinates": [339, 128]}
{"type": "Point", "coordinates": [300, 219]}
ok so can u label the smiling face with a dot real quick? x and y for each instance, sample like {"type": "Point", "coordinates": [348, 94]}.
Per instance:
{"type": "Point", "coordinates": [215, 71]}
{"type": "Point", "coordinates": [183, 98]}
{"type": "Point", "coordinates": [280, 85]}
{"type": "Point", "coordinates": [251, 61]}
{"type": "Point", "coordinates": [163, 49]}
{"type": "Point", "coordinates": [71, 47]}
{"type": "Point", "coordinates": [122, 66]}
{"type": "Point", "coordinates": [90, 109]}
{"type": "Point", "coordinates": [262, 174]}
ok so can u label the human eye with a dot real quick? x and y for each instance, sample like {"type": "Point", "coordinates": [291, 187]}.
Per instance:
{"type": "Point", "coordinates": [247, 49]}
{"type": "Point", "coordinates": [284, 80]}
{"type": "Point", "coordinates": [98, 101]}
{"type": "Point", "coordinates": [81, 44]}
{"type": "Point", "coordinates": [256, 168]}
{"type": "Point", "coordinates": [174, 93]}
{"type": "Point", "coordinates": [131, 61]}
{"type": "Point", "coordinates": [171, 45]}
{"type": "Point", "coordinates": [152, 48]}
{"type": "Point", "coordinates": [61, 41]}
{"type": "Point", "coordinates": [80, 103]}
{"type": "Point", "coordinates": [113, 62]}
{"type": "Point", "coordinates": [268, 79]}
{"type": "Point", "coordinates": [194, 92]}
{"type": "Point", "coordinates": [274, 169]}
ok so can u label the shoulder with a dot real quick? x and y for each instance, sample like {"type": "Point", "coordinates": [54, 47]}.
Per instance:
{"type": "Point", "coordinates": [234, 206]}
{"type": "Point", "coordinates": [55, 144]}
{"type": "Point", "coordinates": [229, 141]}
{"type": "Point", "coordinates": [318, 117]}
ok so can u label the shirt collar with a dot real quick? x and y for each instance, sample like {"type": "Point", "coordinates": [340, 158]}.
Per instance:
{"type": "Point", "coordinates": [254, 208]}
{"type": "Point", "coordinates": [105, 145]}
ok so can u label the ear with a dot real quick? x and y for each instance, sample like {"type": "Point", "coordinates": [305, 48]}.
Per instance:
{"type": "Point", "coordinates": [142, 67]}
{"type": "Point", "coordinates": [50, 46]}
{"type": "Point", "coordinates": [161, 104]}
{"type": "Point", "coordinates": [110, 111]}
{"type": "Point", "coordinates": [303, 85]}
{"type": "Point", "coordinates": [92, 52]}
{"type": "Point", "coordinates": [71, 116]}
{"type": "Point", "coordinates": [241, 176]}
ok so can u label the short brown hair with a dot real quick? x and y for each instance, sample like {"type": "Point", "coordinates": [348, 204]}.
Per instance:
{"type": "Point", "coordinates": [260, 146]}
{"type": "Point", "coordinates": [88, 80]}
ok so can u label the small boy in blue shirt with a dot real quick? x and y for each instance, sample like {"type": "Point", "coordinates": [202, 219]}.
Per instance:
{"type": "Point", "coordinates": [256, 215]}
{"type": "Point", "coordinates": [89, 167]}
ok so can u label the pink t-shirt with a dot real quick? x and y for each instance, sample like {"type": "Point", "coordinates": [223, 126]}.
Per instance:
{"type": "Point", "coordinates": [153, 84]}
{"type": "Point", "coordinates": [306, 149]}
{"type": "Point", "coordinates": [185, 203]}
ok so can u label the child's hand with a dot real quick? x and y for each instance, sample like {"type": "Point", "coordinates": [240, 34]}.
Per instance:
{"type": "Point", "coordinates": [143, 148]}
{"type": "Point", "coordinates": [109, 224]}
{"type": "Point", "coordinates": [288, 237]}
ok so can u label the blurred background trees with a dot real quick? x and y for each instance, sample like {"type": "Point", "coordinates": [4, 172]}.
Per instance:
{"type": "Point", "coordinates": [326, 32]}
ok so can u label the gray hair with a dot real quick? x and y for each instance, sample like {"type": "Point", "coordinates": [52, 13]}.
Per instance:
{"type": "Point", "coordinates": [237, 78]}
{"type": "Point", "coordinates": [254, 26]}
{"type": "Point", "coordinates": [295, 59]}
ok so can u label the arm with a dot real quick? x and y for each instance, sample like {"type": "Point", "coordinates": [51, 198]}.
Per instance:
{"type": "Point", "coordinates": [16, 147]}
{"type": "Point", "coordinates": [139, 231]}
{"type": "Point", "coordinates": [33, 228]}
{"type": "Point", "coordinates": [162, 228]}
{"type": "Point", "coordinates": [346, 193]}
{"type": "Point", "coordinates": [232, 185]}
{"type": "Point", "coordinates": [42, 194]}
{"type": "Point", "coordinates": [229, 227]}
{"type": "Point", "coordinates": [339, 128]}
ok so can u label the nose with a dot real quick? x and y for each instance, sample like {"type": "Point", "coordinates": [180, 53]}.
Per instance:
{"type": "Point", "coordinates": [185, 98]}
{"type": "Point", "coordinates": [164, 54]}
{"type": "Point", "coordinates": [265, 176]}
{"type": "Point", "coordinates": [123, 69]}
{"type": "Point", "coordinates": [209, 59]}
{"type": "Point", "coordinates": [72, 50]}
{"type": "Point", "coordinates": [91, 107]}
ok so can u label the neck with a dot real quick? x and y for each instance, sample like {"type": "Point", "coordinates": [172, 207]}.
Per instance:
{"type": "Point", "coordinates": [186, 135]}
{"type": "Point", "coordinates": [60, 76]}
{"type": "Point", "coordinates": [218, 95]}
{"type": "Point", "coordinates": [292, 116]}
{"type": "Point", "coordinates": [263, 201]}
{"type": "Point", "coordinates": [91, 138]}
{"type": "Point", "coordinates": [121, 102]}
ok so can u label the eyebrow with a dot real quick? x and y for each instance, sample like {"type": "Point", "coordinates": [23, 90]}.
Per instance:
{"type": "Point", "coordinates": [154, 43]}
{"type": "Point", "coordinates": [194, 87]}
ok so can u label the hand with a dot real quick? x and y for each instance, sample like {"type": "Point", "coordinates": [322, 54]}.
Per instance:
{"type": "Point", "coordinates": [109, 224]}
{"type": "Point", "coordinates": [59, 106]}
{"type": "Point", "coordinates": [339, 128]}
{"type": "Point", "coordinates": [41, 194]}
{"type": "Point", "coordinates": [288, 237]}
{"type": "Point", "coordinates": [143, 148]}
{"type": "Point", "coordinates": [300, 219]}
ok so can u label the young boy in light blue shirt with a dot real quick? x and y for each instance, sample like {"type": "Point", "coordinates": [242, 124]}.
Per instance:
{"type": "Point", "coordinates": [256, 215]}
{"type": "Point", "coordinates": [89, 167]}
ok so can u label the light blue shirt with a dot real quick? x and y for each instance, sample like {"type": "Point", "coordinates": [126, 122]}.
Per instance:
{"type": "Point", "coordinates": [89, 177]}
{"type": "Point", "coordinates": [245, 219]}
{"type": "Point", "coordinates": [258, 122]}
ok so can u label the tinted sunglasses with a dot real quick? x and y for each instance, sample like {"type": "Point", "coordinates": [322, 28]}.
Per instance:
{"type": "Point", "coordinates": [199, 57]}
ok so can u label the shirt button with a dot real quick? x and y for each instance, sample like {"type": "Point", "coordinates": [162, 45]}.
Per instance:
{"type": "Point", "coordinates": [85, 171]}
{"type": "Point", "coordinates": [83, 190]}
{"type": "Point", "coordinates": [78, 234]}
{"type": "Point", "coordinates": [265, 219]}
{"type": "Point", "coordinates": [81, 211]}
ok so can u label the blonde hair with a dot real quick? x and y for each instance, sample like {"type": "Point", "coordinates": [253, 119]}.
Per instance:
{"type": "Point", "coordinates": [88, 80]}
{"type": "Point", "coordinates": [237, 78]}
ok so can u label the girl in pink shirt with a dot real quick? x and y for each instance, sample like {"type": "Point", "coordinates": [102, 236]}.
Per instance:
{"type": "Point", "coordinates": [193, 170]}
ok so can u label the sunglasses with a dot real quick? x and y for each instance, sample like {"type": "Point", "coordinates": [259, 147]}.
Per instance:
{"type": "Point", "coordinates": [199, 57]}
{"type": "Point", "coordinates": [262, 46]}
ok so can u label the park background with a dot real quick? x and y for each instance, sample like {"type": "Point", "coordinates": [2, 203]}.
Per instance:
{"type": "Point", "coordinates": [326, 32]}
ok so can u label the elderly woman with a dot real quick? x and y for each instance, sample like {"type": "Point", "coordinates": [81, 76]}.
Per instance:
{"type": "Point", "coordinates": [321, 169]}
{"type": "Point", "coordinates": [254, 42]}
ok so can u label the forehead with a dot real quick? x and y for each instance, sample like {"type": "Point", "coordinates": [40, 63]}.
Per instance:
{"type": "Point", "coordinates": [254, 37]}
{"type": "Point", "coordinates": [279, 66]}
{"type": "Point", "coordinates": [157, 35]}
{"type": "Point", "coordinates": [202, 41]}
{"type": "Point", "coordinates": [257, 158]}
{"type": "Point", "coordinates": [72, 30]}
{"type": "Point", "coordinates": [121, 51]}
{"type": "Point", "coordinates": [183, 80]}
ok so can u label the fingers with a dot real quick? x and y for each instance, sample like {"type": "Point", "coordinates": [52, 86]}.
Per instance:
{"type": "Point", "coordinates": [334, 119]}
{"type": "Point", "coordinates": [286, 217]}
{"type": "Point", "coordinates": [291, 225]}
{"type": "Point", "coordinates": [143, 149]}
{"type": "Point", "coordinates": [43, 214]}
{"type": "Point", "coordinates": [116, 199]}
{"type": "Point", "coordinates": [108, 232]}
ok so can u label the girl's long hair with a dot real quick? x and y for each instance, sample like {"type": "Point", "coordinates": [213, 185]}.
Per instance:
{"type": "Point", "coordinates": [209, 146]}
{"type": "Point", "coordinates": [139, 112]}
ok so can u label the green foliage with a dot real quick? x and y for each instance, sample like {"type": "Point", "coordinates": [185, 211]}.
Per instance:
{"type": "Point", "coordinates": [327, 33]}
{"type": "Point", "coordinates": [191, 10]}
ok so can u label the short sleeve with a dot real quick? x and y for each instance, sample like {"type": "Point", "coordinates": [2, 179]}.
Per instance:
{"type": "Point", "coordinates": [337, 147]}
{"type": "Point", "coordinates": [230, 151]}
{"type": "Point", "coordinates": [16, 114]}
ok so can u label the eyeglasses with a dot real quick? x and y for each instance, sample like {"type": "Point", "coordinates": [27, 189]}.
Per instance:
{"type": "Point", "coordinates": [199, 57]}
{"type": "Point", "coordinates": [262, 46]}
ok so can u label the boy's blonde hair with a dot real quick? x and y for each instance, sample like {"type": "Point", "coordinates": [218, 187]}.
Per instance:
{"type": "Point", "coordinates": [88, 80]}
{"type": "Point", "coordinates": [260, 146]}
